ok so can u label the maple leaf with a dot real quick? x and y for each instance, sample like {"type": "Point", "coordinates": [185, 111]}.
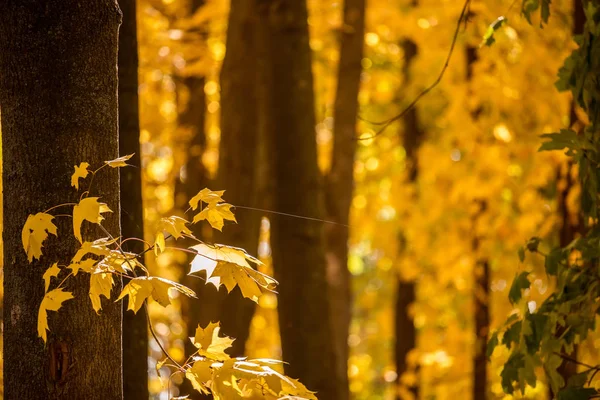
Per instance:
{"type": "Point", "coordinates": [119, 162]}
{"type": "Point", "coordinates": [100, 284]}
{"type": "Point", "coordinates": [229, 266]}
{"type": "Point", "coordinates": [86, 265]}
{"type": "Point", "coordinates": [51, 272]}
{"type": "Point", "coordinates": [200, 374]}
{"type": "Point", "coordinates": [88, 209]}
{"type": "Point", "coordinates": [35, 231]}
{"type": "Point", "coordinates": [175, 226]}
{"type": "Point", "coordinates": [206, 196]}
{"type": "Point", "coordinates": [52, 302]}
{"type": "Point", "coordinates": [210, 344]}
{"type": "Point", "coordinates": [215, 214]}
{"type": "Point", "coordinates": [81, 171]}
{"type": "Point", "coordinates": [119, 261]}
{"type": "Point", "coordinates": [139, 289]}
{"type": "Point", "coordinates": [98, 247]}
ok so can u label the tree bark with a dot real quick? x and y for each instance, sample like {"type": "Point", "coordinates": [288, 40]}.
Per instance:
{"type": "Point", "coordinates": [58, 93]}
{"type": "Point", "coordinates": [406, 334]}
{"type": "Point", "coordinates": [297, 245]}
{"type": "Point", "coordinates": [238, 149]}
{"type": "Point", "coordinates": [340, 180]}
{"type": "Point", "coordinates": [135, 326]}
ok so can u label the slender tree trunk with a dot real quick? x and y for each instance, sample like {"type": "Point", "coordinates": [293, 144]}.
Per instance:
{"type": "Point", "coordinates": [238, 157]}
{"type": "Point", "coordinates": [481, 281]}
{"type": "Point", "coordinates": [340, 180]}
{"type": "Point", "coordinates": [192, 118]}
{"type": "Point", "coordinates": [570, 226]}
{"type": "Point", "coordinates": [406, 334]}
{"type": "Point", "coordinates": [135, 326]}
{"type": "Point", "coordinates": [297, 245]}
{"type": "Point", "coordinates": [58, 93]}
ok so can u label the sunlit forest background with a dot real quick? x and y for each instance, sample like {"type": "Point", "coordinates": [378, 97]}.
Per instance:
{"type": "Point", "coordinates": [443, 198]}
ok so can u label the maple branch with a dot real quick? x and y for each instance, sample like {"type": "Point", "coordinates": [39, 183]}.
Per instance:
{"type": "Point", "coordinates": [166, 353]}
{"type": "Point", "coordinates": [429, 88]}
{"type": "Point", "coordinates": [574, 361]}
{"type": "Point", "coordinates": [60, 205]}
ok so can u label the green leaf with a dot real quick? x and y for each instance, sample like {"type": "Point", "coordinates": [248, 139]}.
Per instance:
{"type": "Point", "coordinates": [510, 372]}
{"type": "Point", "coordinates": [557, 141]}
{"type": "Point", "coordinates": [553, 260]}
{"type": "Point", "coordinates": [576, 393]}
{"type": "Point", "coordinates": [491, 345]}
{"type": "Point", "coordinates": [520, 283]}
{"type": "Point", "coordinates": [488, 37]}
{"type": "Point", "coordinates": [511, 335]}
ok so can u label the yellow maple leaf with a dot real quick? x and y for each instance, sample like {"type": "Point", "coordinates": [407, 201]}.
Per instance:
{"type": "Point", "coordinates": [98, 247]}
{"type": "Point", "coordinates": [229, 266]}
{"type": "Point", "coordinates": [139, 289]}
{"type": "Point", "coordinates": [81, 171]}
{"type": "Point", "coordinates": [51, 272]}
{"type": "Point", "coordinates": [88, 209]}
{"type": "Point", "coordinates": [200, 374]}
{"type": "Point", "coordinates": [207, 196]}
{"type": "Point", "coordinates": [35, 231]}
{"type": "Point", "coordinates": [175, 226]}
{"type": "Point", "coordinates": [120, 261]}
{"type": "Point", "coordinates": [119, 162]}
{"type": "Point", "coordinates": [215, 214]}
{"type": "Point", "coordinates": [210, 344]}
{"type": "Point", "coordinates": [100, 285]}
{"type": "Point", "coordinates": [52, 302]}
{"type": "Point", "coordinates": [86, 265]}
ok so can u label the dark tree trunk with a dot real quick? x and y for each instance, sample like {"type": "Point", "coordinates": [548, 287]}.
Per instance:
{"type": "Point", "coordinates": [571, 224]}
{"type": "Point", "coordinates": [238, 157]}
{"type": "Point", "coordinates": [406, 334]}
{"type": "Point", "coordinates": [192, 118]}
{"type": "Point", "coordinates": [481, 280]}
{"type": "Point", "coordinates": [58, 93]}
{"type": "Point", "coordinates": [340, 180]}
{"type": "Point", "coordinates": [297, 245]}
{"type": "Point", "coordinates": [135, 326]}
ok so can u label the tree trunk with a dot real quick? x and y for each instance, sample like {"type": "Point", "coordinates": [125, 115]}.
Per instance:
{"type": "Point", "coordinates": [571, 225]}
{"type": "Point", "coordinates": [192, 118]}
{"type": "Point", "coordinates": [481, 281]}
{"type": "Point", "coordinates": [238, 150]}
{"type": "Point", "coordinates": [135, 326]}
{"type": "Point", "coordinates": [340, 180]}
{"type": "Point", "coordinates": [406, 334]}
{"type": "Point", "coordinates": [58, 93]}
{"type": "Point", "coordinates": [297, 245]}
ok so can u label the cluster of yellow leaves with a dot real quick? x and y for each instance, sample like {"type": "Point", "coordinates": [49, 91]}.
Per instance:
{"type": "Point", "coordinates": [237, 378]}
{"type": "Point", "coordinates": [226, 265]}
{"type": "Point", "coordinates": [215, 211]}
{"type": "Point", "coordinates": [174, 226]}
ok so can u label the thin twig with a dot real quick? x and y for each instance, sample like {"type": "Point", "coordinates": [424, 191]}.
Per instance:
{"type": "Point", "coordinates": [425, 91]}
{"type": "Point", "coordinates": [293, 216]}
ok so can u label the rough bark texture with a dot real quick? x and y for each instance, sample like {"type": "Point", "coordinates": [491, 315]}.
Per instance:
{"type": "Point", "coordinates": [297, 245]}
{"type": "Point", "coordinates": [406, 334]}
{"type": "Point", "coordinates": [238, 150]}
{"type": "Point", "coordinates": [340, 180]}
{"type": "Point", "coordinates": [135, 326]}
{"type": "Point", "coordinates": [58, 93]}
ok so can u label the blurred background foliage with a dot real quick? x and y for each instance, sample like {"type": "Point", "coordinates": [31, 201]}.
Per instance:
{"type": "Point", "coordinates": [482, 188]}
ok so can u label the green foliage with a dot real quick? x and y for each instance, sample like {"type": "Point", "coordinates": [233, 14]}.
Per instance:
{"type": "Point", "coordinates": [567, 316]}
